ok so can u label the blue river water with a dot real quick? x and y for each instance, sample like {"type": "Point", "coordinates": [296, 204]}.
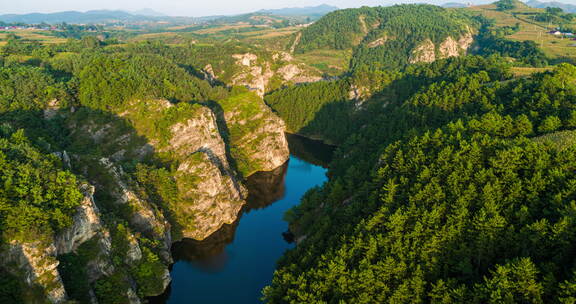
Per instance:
{"type": "Point", "coordinates": [234, 264]}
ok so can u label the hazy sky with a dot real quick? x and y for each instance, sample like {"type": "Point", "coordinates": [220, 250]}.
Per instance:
{"type": "Point", "coordinates": [187, 7]}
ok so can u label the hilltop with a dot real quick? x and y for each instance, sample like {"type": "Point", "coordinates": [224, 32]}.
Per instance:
{"type": "Point", "coordinates": [316, 11]}
{"type": "Point", "coordinates": [389, 36]}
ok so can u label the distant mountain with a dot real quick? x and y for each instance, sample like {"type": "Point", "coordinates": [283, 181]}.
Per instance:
{"type": "Point", "coordinates": [454, 5]}
{"type": "Point", "coordinates": [320, 10]}
{"type": "Point", "coordinates": [74, 17]}
{"type": "Point", "coordinates": [148, 12]}
{"type": "Point", "coordinates": [569, 8]}
{"type": "Point", "coordinates": [298, 14]}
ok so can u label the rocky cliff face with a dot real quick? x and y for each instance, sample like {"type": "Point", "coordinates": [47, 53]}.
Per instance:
{"type": "Point", "coordinates": [86, 224]}
{"type": "Point", "coordinates": [260, 75]}
{"type": "Point", "coordinates": [256, 134]}
{"type": "Point", "coordinates": [210, 193]}
{"type": "Point", "coordinates": [36, 265]}
{"type": "Point", "coordinates": [210, 196]}
{"type": "Point", "coordinates": [425, 52]}
{"type": "Point", "coordinates": [204, 153]}
{"type": "Point", "coordinates": [428, 52]}
{"type": "Point", "coordinates": [147, 218]}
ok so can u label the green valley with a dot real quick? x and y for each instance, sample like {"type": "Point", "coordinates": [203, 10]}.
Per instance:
{"type": "Point", "coordinates": [133, 148]}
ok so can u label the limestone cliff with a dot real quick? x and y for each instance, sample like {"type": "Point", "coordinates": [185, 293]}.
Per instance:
{"type": "Point", "coordinates": [85, 225]}
{"type": "Point", "coordinates": [146, 219]}
{"type": "Point", "coordinates": [37, 262]}
{"type": "Point", "coordinates": [425, 52]}
{"type": "Point", "coordinates": [36, 265]}
{"type": "Point", "coordinates": [428, 52]}
{"type": "Point", "coordinates": [189, 138]}
{"type": "Point", "coordinates": [202, 153]}
{"type": "Point", "coordinates": [256, 134]}
{"type": "Point", "coordinates": [265, 72]}
{"type": "Point", "coordinates": [209, 196]}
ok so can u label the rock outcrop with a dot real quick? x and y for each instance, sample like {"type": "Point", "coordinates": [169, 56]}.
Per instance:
{"type": "Point", "coordinates": [257, 75]}
{"type": "Point", "coordinates": [425, 52]}
{"type": "Point", "coordinates": [449, 48]}
{"type": "Point", "coordinates": [36, 265]}
{"type": "Point", "coordinates": [293, 73]}
{"type": "Point", "coordinates": [245, 59]}
{"type": "Point", "coordinates": [453, 48]}
{"type": "Point", "coordinates": [207, 156]}
{"type": "Point", "coordinates": [296, 42]}
{"type": "Point", "coordinates": [359, 94]}
{"type": "Point", "coordinates": [256, 133]}
{"type": "Point", "coordinates": [210, 197]}
{"type": "Point", "coordinates": [146, 218]}
{"type": "Point", "coordinates": [51, 109]}
{"type": "Point", "coordinates": [209, 75]}
{"type": "Point", "coordinates": [428, 52]}
{"type": "Point", "coordinates": [210, 193]}
{"type": "Point", "coordinates": [36, 262]}
{"type": "Point", "coordinates": [255, 78]}
{"type": "Point", "coordinates": [378, 42]}
{"type": "Point", "coordinates": [86, 224]}
{"type": "Point", "coordinates": [466, 41]}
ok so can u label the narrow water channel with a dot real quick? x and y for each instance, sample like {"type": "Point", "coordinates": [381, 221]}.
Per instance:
{"type": "Point", "coordinates": [235, 263]}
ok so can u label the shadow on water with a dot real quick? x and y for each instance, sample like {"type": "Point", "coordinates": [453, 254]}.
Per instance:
{"type": "Point", "coordinates": [241, 257]}
{"type": "Point", "coordinates": [310, 150]}
{"type": "Point", "coordinates": [209, 255]}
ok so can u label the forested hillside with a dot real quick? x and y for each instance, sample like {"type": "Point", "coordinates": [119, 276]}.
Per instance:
{"type": "Point", "coordinates": [109, 155]}
{"type": "Point", "coordinates": [389, 37]}
{"type": "Point", "coordinates": [452, 182]}
{"type": "Point", "coordinates": [444, 197]}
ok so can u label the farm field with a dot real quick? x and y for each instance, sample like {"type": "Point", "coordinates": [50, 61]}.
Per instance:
{"type": "Point", "coordinates": [34, 35]}
{"type": "Point", "coordinates": [557, 48]}
{"type": "Point", "coordinates": [527, 71]}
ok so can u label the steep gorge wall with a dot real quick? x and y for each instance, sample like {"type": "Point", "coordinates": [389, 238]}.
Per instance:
{"type": "Point", "coordinates": [123, 224]}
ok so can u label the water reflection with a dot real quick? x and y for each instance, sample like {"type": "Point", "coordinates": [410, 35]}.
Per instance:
{"type": "Point", "coordinates": [209, 255]}
{"type": "Point", "coordinates": [266, 188]}
{"type": "Point", "coordinates": [240, 258]}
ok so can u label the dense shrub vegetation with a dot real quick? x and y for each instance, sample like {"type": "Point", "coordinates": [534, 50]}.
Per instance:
{"type": "Point", "coordinates": [37, 196]}
{"type": "Point", "coordinates": [299, 106]}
